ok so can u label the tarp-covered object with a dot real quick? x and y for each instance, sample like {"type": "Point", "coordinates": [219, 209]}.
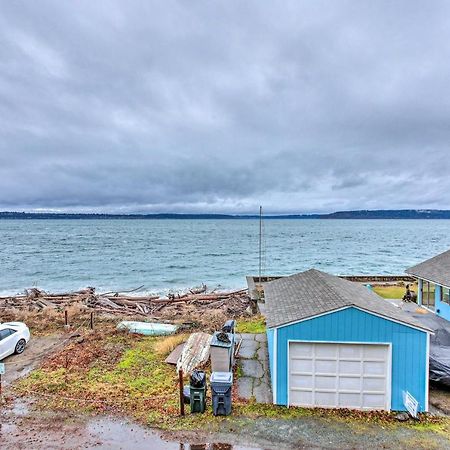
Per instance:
{"type": "Point", "coordinates": [439, 340]}
{"type": "Point", "coordinates": [148, 328]}
{"type": "Point", "coordinates": [440, 356]}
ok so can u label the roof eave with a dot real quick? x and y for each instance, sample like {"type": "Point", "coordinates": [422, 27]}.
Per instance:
{"type": "Point", "coordinates": [401, 322]}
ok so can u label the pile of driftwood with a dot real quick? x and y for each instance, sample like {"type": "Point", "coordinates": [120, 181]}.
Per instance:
{"type": "Point", "coordinates": [233, 303]}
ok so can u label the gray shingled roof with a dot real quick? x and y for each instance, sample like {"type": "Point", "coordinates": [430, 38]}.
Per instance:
{"type": "Point", "coordinates": [436, 269]}
{"type": "Point", "coordinates": [313, 292]}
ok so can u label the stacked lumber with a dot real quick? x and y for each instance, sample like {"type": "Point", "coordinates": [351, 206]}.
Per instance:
{"type": "Point", "coordinates": [123, 304]}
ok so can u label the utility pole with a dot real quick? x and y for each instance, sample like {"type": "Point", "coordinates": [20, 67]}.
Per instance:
{"type": "Point", "coordinates": [260, 243]}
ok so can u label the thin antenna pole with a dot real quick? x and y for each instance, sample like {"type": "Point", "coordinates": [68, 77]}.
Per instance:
{"type": "Point", "coordinates": [260, 243]}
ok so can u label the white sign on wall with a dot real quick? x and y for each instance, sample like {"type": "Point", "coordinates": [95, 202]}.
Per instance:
{"type": "Point", "coordinates": [411, 404]}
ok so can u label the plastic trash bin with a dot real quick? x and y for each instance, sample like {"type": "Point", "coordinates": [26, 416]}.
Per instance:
{"type": "Point", "coordinates": [221, 384]}
{"type": "Point", "coordinates": [187, 394]}
{"type": "Point", "coordinates": [197, 388]}
{"type": "Point", "coordinates": [222, 348]}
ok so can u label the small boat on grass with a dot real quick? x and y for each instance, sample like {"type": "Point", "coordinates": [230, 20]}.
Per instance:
{"type": "Point", "coordinates": [148, 328]}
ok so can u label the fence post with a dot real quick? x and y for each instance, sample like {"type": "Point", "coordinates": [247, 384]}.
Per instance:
{"type": "Point", "coordinates": [66, 319]}
{"type": "Point", "coordinates": [180, 379]}
{"type": "Point", "coordinates": [92, 320]}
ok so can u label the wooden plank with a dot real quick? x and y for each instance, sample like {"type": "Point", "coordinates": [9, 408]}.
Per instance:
{"type": "Point", "coordinates": [175, 355]}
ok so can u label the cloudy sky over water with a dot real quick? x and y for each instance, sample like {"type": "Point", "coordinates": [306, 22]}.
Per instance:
{"type": "Point", "coordinates": [196, 106]}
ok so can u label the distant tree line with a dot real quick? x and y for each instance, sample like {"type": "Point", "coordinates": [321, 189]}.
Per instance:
{"type": "Point", "coordinates": [361, 214]}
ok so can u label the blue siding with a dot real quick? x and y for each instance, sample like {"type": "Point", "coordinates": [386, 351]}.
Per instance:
{"type": "Point", "coordinates": [270, 342]}
{"type": "Point", "coordinates": [442, 309]}
{"type": "Point", "coordinates": [409, 358]}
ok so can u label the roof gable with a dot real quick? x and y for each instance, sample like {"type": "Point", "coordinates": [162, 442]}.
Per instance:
{"type": "Point", "coordinates": [311, 293]}
{"type": "Point", "coordinates": [436, 269]}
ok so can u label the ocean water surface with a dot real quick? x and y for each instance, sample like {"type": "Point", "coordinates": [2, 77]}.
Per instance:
{"type": "Point", "coordinates": [172, 255]}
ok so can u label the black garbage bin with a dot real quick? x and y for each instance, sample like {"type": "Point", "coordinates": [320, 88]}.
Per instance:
{"type": "Point", "coordinates": [197, 389]}
{"type": "Point", "coordinates": [221, 384]}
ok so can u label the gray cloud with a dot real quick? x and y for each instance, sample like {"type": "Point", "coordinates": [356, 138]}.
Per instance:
{"type": "Point", "coordinates": [220, 106]}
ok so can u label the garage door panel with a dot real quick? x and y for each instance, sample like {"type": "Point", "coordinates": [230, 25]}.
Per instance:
{"type": "Point", "coordinates": [374, 351]}
{"type": "Point", "coordinates": [349, 400]}
{"type": "Point", "coordinates": [349, 383]}
{"type": "Point", "coordinates": [303, 398]}
{"type": "Point", "coordinates": [326, 351]}
{"type": "Point", "coordinates": [326, 366]}
{"type": "Point", "coordinates": [301, 365]}
{"type": "Point", "coordinates": [373, 384]}
{"type": "Point", "coordinates": [323, 382]}
{"type": "Point", "coordinates": [339, 375]}
{"type": "Point", "coordinates": [305, 349]}
{"type": "Point", "coordinates": [350, 351]}
{"type": "Point", "coordinates": [325, 399]}
{"type": "Point", "coordinates": [302, 381]}
{"type": "Point", "coordinates": [374, 367]}
{"type": "Point", "coordinates": [350, 367]}
{"type": "Point", "coordinates": [374, 401]}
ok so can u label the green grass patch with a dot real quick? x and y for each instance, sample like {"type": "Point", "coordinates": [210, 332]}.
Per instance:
{"type": "Point", "coordinates": [392, 291]}
{"type": "Point", "coordinates": [255, 324]}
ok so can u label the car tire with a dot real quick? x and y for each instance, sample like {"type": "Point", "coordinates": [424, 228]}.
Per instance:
{"type": "Point", "coordinates": [20, 346]}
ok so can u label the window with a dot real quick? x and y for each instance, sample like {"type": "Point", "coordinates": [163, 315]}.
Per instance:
{"type": "Point", "coordinates": [445, 295]}
{"type": "Point", "coordinates": [5, 333]}
{"type": "Point", "coordinates": [428, 294]}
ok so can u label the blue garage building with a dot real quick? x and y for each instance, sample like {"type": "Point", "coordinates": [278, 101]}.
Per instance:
{"type": "Point", "coordinates": [334, 343]}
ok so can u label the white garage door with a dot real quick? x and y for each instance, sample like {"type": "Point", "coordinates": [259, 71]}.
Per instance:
{"type": "Point", "coordinates": [332, 375]}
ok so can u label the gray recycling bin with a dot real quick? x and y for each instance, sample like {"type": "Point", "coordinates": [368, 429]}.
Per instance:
{"type": "Point", "coordinates": [222, 348]}
{"type": "Point", "coordinates": [221, 384]}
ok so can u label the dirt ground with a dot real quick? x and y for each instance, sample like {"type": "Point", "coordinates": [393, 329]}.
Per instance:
{"type": "Point", "coordinates": [36, 350]}
{"type": "Point", "coordinates": [23, 426]}
{"type": "Point", "coordinates": [440, 399]}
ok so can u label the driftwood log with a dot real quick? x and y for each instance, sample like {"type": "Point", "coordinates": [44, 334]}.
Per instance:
{"type": "Point", "coordinates": [119, 303]}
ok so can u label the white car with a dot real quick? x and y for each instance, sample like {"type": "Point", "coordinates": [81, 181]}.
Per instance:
{"type": "Point", "coordinates": [14, 336]}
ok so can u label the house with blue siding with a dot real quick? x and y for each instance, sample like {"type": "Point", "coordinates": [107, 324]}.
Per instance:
{"type": "Point", "coordinates": [334, 343]}
{"type": "Point", "coordinates": [433, 279]}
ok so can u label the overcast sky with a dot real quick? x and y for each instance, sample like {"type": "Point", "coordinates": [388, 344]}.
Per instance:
{"type": "Point", "coordinates": [219, 106]}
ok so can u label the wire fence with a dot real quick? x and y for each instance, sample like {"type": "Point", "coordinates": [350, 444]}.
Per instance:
{"type": "Point", "coordinates": [41, 357]}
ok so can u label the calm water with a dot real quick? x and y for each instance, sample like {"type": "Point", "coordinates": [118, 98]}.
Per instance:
{"type": "Point", "coordinates": [61, 255]}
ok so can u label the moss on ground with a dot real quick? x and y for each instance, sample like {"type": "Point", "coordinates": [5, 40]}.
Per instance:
{"type": "Point", "coordinates": [255, 324]}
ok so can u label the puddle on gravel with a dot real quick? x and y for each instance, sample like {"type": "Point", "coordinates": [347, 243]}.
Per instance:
{"type": "Point", "coordinates": [113, 434]}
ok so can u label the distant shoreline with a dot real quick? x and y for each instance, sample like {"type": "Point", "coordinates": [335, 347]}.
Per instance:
{"type": "Point", "coordinates": [359, 214]}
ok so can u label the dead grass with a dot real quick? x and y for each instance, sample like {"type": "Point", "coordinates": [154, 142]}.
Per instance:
{"type": "Point", "coordinates": [166, 345]}
{"type": "Point", "coordinates": [42, 322]}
